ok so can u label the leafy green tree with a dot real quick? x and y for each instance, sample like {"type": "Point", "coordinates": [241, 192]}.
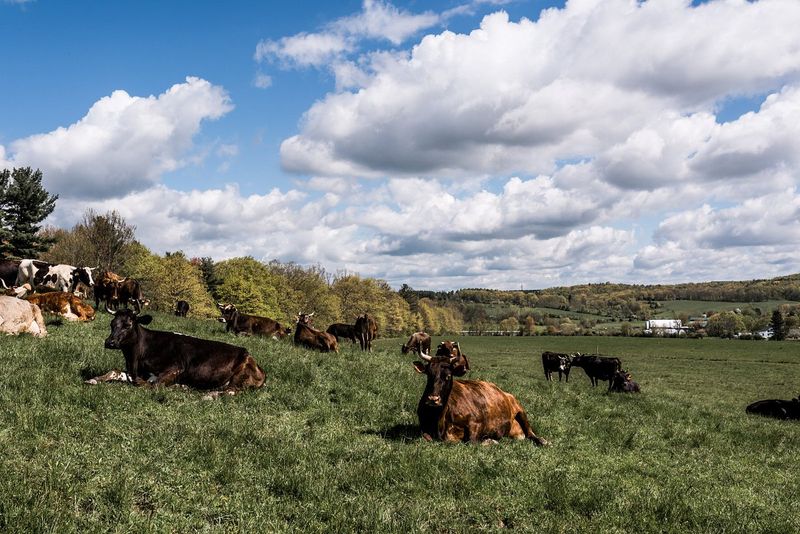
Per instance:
{"type": "Point", "coordinates": [99, 240]}
{"type": "Point", "coordinates": [509, 324]}
{"type": "Point", "coordinates": [306, 289]}
{"type": "Point", "coordinates": [250, 285]}
{"type": "Point", "coordinates": [24, 204]}
{"type": "Point", "coordinates": [725, 324]}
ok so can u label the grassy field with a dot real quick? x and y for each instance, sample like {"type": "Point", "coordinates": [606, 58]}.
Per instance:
{"type": "Point", "coordinates": [330, 443]}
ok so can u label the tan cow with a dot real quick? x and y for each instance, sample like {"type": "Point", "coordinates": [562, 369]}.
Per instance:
{"type": "Point", "coordinates": [19, 316]}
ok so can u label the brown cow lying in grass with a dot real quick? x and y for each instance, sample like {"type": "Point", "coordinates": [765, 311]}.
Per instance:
{"type": "Point", "coordinates": [19, 317]}
{"type": "Point", "coordinates": [66, 305]}
{"type": "Point", "coordinates": [467, 410]}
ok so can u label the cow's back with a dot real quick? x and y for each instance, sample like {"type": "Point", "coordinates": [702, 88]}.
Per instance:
{"type": "Point", "coordinates": [482, 407]}
{"type": "Point", "coordinates": [19, 316]}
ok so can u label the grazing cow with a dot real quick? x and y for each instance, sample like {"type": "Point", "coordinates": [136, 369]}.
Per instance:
{"type": "Point", "coordinates": [597, 367]}
{"type": "Point", "coordinates": [347, 331]}
{"type": "Point", "coordinates": [105, 288]}
{"type": "Point", "coordinates": [308, 336]}
{"type": "Point", "coordinates": [181, 308]}
{"type": "Point", "coordinates": [467, 410]}
{"type": "Point", "coordinates": [623, 383]}
{"type": "Point", "coordinates": [556, 361]}
{"type": "Point", "coordinates": [777, 408]}
{"type": "Point", "coordinates": [419, 342]}
{"type": "Point", "coordinates": [366, 330]}
{"type": "Point", "coordinates": [8, 272]}
{"type": "Point", "coordinates": [164, 358]}
{"type": "Point", "coordinates": [61, 277]}
{"type": "Point", "coordinates": [241, 323]}
{"type": "Point", "coordinates": [452, 349]}
{"type": "Point", "coordinates": [19, 316]}
{"type": "Point", "coordinates": [65, 305]}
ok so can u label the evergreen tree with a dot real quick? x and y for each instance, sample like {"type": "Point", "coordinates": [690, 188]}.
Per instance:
{"type": "Point", "coordinates": [778, 327]}
{"type": "Point", "coordinates": [24, 204]}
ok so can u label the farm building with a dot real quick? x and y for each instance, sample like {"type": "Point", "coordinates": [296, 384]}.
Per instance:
{"type": "Point", "coordinates": [663, 327]}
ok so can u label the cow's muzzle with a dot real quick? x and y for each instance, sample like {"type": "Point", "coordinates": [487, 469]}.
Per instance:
{"type": "Point", "coordinates": [434, 400]}
{"type": "Point", "coordinates": [111, 343]}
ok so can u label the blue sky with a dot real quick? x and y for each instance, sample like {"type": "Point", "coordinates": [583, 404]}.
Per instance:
{"type": "Point", "coordinates": [441, 144]}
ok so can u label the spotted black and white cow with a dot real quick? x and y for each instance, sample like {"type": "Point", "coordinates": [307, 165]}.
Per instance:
{"type": "Point", "coordinates": [61, 277]}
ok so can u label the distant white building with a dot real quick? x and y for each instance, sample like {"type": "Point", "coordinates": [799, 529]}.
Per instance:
{"type": "Point", "coordinates": [663, 327]}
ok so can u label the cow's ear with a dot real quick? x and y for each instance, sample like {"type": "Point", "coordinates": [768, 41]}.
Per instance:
{"type": "Point", "coordinates": [144, 319]}
{"type": "Point", "coordinates": [419, 367]}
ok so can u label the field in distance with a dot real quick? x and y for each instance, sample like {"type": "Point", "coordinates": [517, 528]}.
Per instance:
{"type": "Point", "coordinates": [331, 442]}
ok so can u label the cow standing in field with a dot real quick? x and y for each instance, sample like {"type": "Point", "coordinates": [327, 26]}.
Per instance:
{"type": "Point", "coordinates": [60, 277]}
{"type": "Point", "coordinates": [105, 289]}
{"type": "Point", "coordinates": [597, 367]}
{"type": "Point", "coordinates": [129, 291]}
{"type": "Point", "coordinates": [556, 361]}
{"type": "Point", "coordinates": [65, 305]}
{"type": "Point", "coordinates": [308, 336]}
{"type": "Point", "coordinates": [467, 410]}
{"type": "Point", "coordinates": [181, 308]}
{"type": "Point", "coordinates": [777, 408]}
{"type": "Point", "coordinates": [623, 383]}
{"type": "Point", "coordinates": [19, 316]}
{"type": "Point", "coordinates": [341, 330]}
{"type": "Point", "coordinates": [155, 358]}
{"type": "Point", "coordinates": [366, 330]}
{"type": "Point", "coordinates": [419, 342]}
{"type": "Point", "coordinates": [242, 323]}
{"type": "Point", "coordinates": [452, 349]}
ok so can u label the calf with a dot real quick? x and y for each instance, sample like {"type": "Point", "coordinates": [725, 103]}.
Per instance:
{"type": "Point", "coordinates": [452, 349]}
{"type": "Point", "coordinates": [556, 361]}
{"type": "Point", "coordinates": [777, 408]}
{"type": "Point", "coordinates": [623, 383]}
{"type": "Point", "coordinates": [165, 358]}
{"type": "Point", "coordinates": [19, 316]}
{"type": "Point", "coordinates": [341, 330]}
{"type": "Point", "coordinates": [65, 305]}
{"type": "Point", "coordinates": [181, 308]}
{"type": "Point", "coordinates": [468, 410]}
{"type": "Point", "coordinates": [597, 367]}
{"type": "Point", "coordinates": [241, 323]}
{"type": "Point", "coordinates": [366, 330]}
{"type": "Point", "coordinates": [308, 336]}
{"type": "Point", "coordinates": [419, 342]}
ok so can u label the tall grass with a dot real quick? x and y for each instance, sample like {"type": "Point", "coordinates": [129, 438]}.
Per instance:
{"type": "Point", "coordinates": [330, 443]}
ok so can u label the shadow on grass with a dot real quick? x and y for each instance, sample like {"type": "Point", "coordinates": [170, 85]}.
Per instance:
{"type": "Point", "coordinates": [402, 433]}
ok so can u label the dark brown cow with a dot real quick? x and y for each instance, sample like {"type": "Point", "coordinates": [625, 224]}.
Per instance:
{"type": "Point", "coordinates": [623, 383]}
{"type": "Point", "coordinates": [153, 357]}
{"type": "Point", "coordinates": [419, 342]}
{"type": "Point", "coordinates": [346, 331]}
{"type": "Point", "coordinates": [597, 367]}
{"type": "Point", "coordinates": [452, 349]}
{"type": "Point", "coordinates": [251, 325]}
{"type": "Point", "coordinates": [308, 336]}
{"type": "Point", "coordinates": [556, 361]}
{"type": "Point", "coordinates": [181, 308]}
{"type": "Point", "coordinates": [8, 272]}
{"type": "Point", "coordinates": [777, 408]}
{"type": "Point", "coordinates": [105, 289]}
{"type": "Point", "coordinates": [366, 330]}
{"type": "Point", "coordinates": [130, 291]}
{"type": "Point", "coordinates": [467, 410]}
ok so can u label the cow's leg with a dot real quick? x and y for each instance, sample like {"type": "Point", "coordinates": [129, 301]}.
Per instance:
{"type": "Point", "coordinates": [165, 378]}
{"type": "Point", "coordinates": [111, 376]}
{"type": "Point", "coordinates": [521, 419]}
{"type": "Point", "coordinates": [246, 375]}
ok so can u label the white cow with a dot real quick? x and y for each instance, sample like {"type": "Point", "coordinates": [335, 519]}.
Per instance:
{"type": "Point", "coordinates": [62, 277]}
{"type": "Point", "coordinates": [20, 316]}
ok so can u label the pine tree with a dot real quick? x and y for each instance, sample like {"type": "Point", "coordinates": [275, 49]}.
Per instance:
{"type": "Point", "coordinates": [24, 204]}
{"type": "Point", "coordinates": [778, 330]}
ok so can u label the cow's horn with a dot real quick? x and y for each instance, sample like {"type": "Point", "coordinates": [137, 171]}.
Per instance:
{"type": "Point", "coordinates": [426, 357]}
{"type": "Point", "coordinates": [109, 310]}
{"type": "Point", "coordinates": [453, 359]}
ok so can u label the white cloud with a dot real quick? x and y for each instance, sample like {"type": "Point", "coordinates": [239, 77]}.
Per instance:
{"type": "Point", "coordinates": [262, 81]}
{"type": "Point", "coordinates": [124, 143]}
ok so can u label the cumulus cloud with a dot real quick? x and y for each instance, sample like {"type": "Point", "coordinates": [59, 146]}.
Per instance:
{"type": "Point", "coordinates": [124, 143]}
{"type": "Point", "coordinates": [522, 96]}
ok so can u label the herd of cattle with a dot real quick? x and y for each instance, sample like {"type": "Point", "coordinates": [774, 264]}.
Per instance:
{"type": "Point", "coordinates": [449, 410]}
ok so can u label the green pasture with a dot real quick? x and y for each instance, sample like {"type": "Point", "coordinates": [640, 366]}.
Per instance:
{"type": "Point", "coordinates": [670, 309]}
{"type": "Point", "coordinates": [330, 443]}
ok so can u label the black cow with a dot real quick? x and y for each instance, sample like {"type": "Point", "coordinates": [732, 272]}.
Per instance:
{"type": "Point", "coordinates": [597, 367]}
{"type": "Point", "coordinates": [623, 383]}
{"type": "Point", "coordinates": [181, 308]}
{"type": "Point", "coordinates": [556, 361]}
{"type": "Point", "coordinates": [777, 408]}
{"type": "Point", "coordinates": [153, 357]}
{"type": "Point", "coordinates": [8, 272]}
{"type": "Point", "coordinates": [242, 323]}
{"type": "Point", "coordinates": [341, 330]}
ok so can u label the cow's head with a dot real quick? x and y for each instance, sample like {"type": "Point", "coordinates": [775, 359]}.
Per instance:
{"type": "Point", "coordinates": [439, 371]}
{"type": "Point", "coordinates": [452, 349]}
{"type": "Point", "coordinates": [305, 318]}
{"type": "Point", "coordinates": [83, 274]}
{"type": "Point", "coordinates": [227, 311]}
{"type": "Point", "coordinates": [564, 363]}
{"type": "Point", "coordinates": [125, 328]}
{"type": "Point", "coordinates": [404, 349]}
